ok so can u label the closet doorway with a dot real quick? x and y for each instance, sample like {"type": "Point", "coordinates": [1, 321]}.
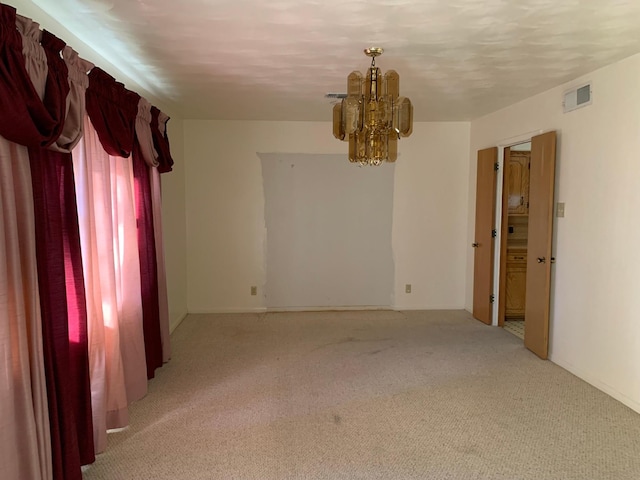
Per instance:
{"type": "Point", "coordinates": [524, 256]}
{"type": "Point", "coordinates": [515, 233]}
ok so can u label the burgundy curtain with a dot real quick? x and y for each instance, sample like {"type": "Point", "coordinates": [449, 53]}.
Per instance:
{"type": "Point", "coordinates": [26, 119]}
{"type": "Point", "coordinates": [61, 284]}
{"type": "Point", "coordinates": [113, 111]}
{"type": "Point", "coordinates": [148, 262]}
{"type": "Point", "coordinates": [62, 301]}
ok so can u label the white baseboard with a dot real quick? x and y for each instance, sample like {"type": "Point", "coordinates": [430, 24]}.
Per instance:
{"type": "Point", "coordinates": [429, 307]}
{"type": "Point", "coordinates": [329, 309]}
{"type": "Point", "coordinates": [609, 390]}
{"type": "Point", "coordinates": [285, 309]}
{"type": "Point", "coordinates": [204, 311]}
{"type": "Point", "coordinates": [392, 308]}
{"type": "Point", "coordinates": [395, 308]}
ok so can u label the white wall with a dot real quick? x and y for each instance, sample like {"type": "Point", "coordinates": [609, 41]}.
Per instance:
{"type": "Point", "coordinates": [174, 225]}
{"type": "Point", "coordinates": [594, 330]}
{"type": "Point", "coordinates": [328, 232]}
{"type": "Point", "coordinates": [429, 216]}
{"type": "Point", "coordinates": [226, 223]}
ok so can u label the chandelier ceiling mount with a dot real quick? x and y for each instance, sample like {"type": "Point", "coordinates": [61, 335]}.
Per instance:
{"type": "Point", "coordinates": [373, 52]}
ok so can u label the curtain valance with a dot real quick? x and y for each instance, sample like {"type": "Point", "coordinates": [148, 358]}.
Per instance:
{"type": "Point", "coordinates": [47, 110]}
{"type": "Point", "coordinates": [112, 110]}
{"type": "Point", "coordinates": [24, 118]}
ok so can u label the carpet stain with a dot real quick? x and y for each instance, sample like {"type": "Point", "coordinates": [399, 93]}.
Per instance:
{"type": "Point", "coordinates": [351, 340]}
{"type": "Point", "coordinates": [240, 334]}
{"type": "Point", "coordinates": [337, 419]}
{"type": "Point", "coordinates": [380, 350]}
{"type": "Point", "coordinates": [471, 450]}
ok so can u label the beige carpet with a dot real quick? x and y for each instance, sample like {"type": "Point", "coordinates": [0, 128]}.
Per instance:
{"type": "Point", "coordinates": [366, 395]}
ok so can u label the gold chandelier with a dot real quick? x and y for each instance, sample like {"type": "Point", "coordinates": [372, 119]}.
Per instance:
{"type": "Point", "coordinates": [372, 117]}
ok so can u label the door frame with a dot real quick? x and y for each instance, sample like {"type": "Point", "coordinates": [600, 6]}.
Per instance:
{"type": "Point", "coordinates": [499, 267]}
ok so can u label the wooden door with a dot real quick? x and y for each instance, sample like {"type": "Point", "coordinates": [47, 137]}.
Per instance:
{"type": "Point", "coordinates": [538, 290]}
{"type": "Point", "coordinates": [484, 240]}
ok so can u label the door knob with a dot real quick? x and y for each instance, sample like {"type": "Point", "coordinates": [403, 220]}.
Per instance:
{"type": "Point", "coordinates": [475, 245]}
{"type": "Point", "coordinates": [542, 260]}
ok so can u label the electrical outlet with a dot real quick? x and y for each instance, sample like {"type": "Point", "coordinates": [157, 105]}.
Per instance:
{"type": "Point", "coordinates": [254, 290]}
{"type": "Point", "coordinates": [407, 288]}
{"type": "Point", "coordinates": [560, 210]}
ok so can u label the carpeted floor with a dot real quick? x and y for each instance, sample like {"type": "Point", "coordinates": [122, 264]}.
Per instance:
{"type": "Point", "coordinates": [366, 395]}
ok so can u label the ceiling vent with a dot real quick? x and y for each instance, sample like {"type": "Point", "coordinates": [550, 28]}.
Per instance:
{"type": "Point", "coordinates": [335, 98]}
{"type": "Point", "coordinates": [577, 98]}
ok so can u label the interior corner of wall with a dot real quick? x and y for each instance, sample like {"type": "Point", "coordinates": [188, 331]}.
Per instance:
{"type": "Point", "coordinates": [263, 273]}
{"type": "Point", "coordinates": [176, 322]}
{"type": "Point", "coordinates": [395, 266]}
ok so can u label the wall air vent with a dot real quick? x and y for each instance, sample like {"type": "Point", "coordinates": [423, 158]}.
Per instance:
{"type": "Point", "coordinates": [577, 98]}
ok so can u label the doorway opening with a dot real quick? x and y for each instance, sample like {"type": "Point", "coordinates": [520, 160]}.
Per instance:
{"type": "Point", "coordinates": [515, 234]}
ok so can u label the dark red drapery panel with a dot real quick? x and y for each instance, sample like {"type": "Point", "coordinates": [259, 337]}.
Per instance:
{"type": "Point", "coordinates": [113, 111]}
{"type": "Point", "coordinates": [161, 142]}
{"type": "Point", "coordinates": [61, 284]}
{"type": "Point", "coordinates": [148, 262]}
{"type": "Point", "coordinates": [64, 316]}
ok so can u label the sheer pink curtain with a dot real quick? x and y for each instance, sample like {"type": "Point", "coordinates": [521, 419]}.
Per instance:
{"type": "Point", "coordinates": [109, 241]}
{"type": "Point", "coordinates": [25, 445]}
{"type": "Point", "coordinates": [113, 111]}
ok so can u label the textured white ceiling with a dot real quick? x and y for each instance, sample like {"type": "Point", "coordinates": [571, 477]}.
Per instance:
{"type": "Point", "coordinates": [275, 60]}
